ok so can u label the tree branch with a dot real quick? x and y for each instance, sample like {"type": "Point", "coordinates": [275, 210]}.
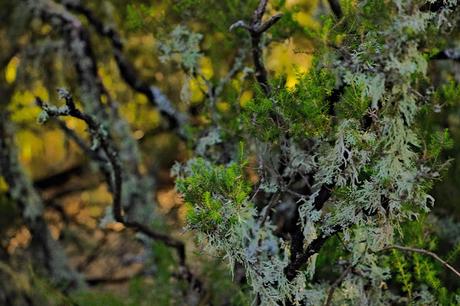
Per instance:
{"type": "Point", "coordinates": [337, 283]}
{"type": "Point", "coordinates": [127, 71]}
{"type": "Point", "coordinates": [98, 133]}
{"type": "Point", "coordinates": [447, 54]}
{"type": "Point", "coordinates": [336, 8]}
{"type": "Point", "coordinates": [256, 30]}
{"type": "Point", "coordinates": [425, 252]}
{"type": "Point", "coordinates": [314, 247]}
{"type": "Point", "coordinates": [80, 142]}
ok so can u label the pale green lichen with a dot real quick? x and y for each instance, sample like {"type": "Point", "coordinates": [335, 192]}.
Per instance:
{"type": "Point", "coordinates": [369, 154]}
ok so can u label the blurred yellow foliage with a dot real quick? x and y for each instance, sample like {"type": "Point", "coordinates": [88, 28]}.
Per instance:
{"type": "Point", "coordinates": [305, 19]}
{"type": "Point", "coordinates": [11, 70]}
{"type": "Point", "coordinates": [29, 144]}
{"type": "Point", "coordinates": [223, 106]}
{"type": "Point", "coordinates": [45, 29]}
{"type": "Point", "coordinates": [106, 77]}
{"type": "Point", "coordinates": [196, 87]}
{"type": "Point", "coordinates": [245, 97]}
{"type": "Point", "coordinates": [140, 114]}
{"type": "Point", "coordinates": [22, 107]}
{"type": "Point", "coordinates": [285, 58]}
{"type": "Point", "coordinates": [206, 67]}
{"type": "Point", "coordinates": [3, 184]}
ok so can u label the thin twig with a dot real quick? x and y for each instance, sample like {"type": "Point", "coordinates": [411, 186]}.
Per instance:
{"type": "Point", "coordinates": [273, 202]}
{"type": "Point", "coordinates": [336, 284]}
{"type": "Point", "coordinates": [342, 276]}
{"type": "Point", "coordinates": [80, 142]}
{"type": "Point", "coordinates": [425, 252]}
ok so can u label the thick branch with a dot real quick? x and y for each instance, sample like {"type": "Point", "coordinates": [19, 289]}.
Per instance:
{"type": "Point", "coordinates": [314, 247]}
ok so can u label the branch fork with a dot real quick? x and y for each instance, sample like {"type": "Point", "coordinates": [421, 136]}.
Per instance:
{"type": "Point", "coordinates": [256, 30]}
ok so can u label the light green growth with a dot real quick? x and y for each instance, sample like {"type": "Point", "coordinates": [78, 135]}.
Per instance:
{"type": "Point", "coordinates": [184, 44]}
{"type": "Point", "coordinates": [209, 191]}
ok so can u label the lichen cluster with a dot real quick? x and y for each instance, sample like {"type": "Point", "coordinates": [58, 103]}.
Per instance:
{"type": "Point", "coordinates": [346, 151]}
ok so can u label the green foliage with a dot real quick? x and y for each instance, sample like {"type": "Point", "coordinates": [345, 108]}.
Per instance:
{"type": "Point", "coordinates": [208, 187]}
{"type": "Point", "coordinates": [439, 142]}
{"type": "Point", "coordinates": [419, 274]}
{"type": "Point", "coordinates": [448, 94]}
{"type": "Point", "coordinates": [303, 111]}
{"type": "Point", "coordinates": [351, 124]}
{"type": "Point", "coordinates": [353, 104]}
{"type": "Point", "coordinates": [135, 16]}
{"type": "Point", "coordinates": [332, 168]}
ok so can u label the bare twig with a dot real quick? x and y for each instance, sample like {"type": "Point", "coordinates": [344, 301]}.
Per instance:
{"type": "Point", "coordinates": [80, 48]}
{"type": "Point", "coordinates": [79, 141]}
{"type": "Point", "coordinates": [93, 255]}
{"type": "Point", "coordinates": [256, 30]}
{"type": "Point", "coordinates": [447, 54]}
{"type": "Point", "coordinates": [337, 283]}
{"type": "Point", "coordinates": [102, 137]}
{"type": "Point", "coordinates": [273, 202]}
{"type": "Point", "coordinates": [425, 252]}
